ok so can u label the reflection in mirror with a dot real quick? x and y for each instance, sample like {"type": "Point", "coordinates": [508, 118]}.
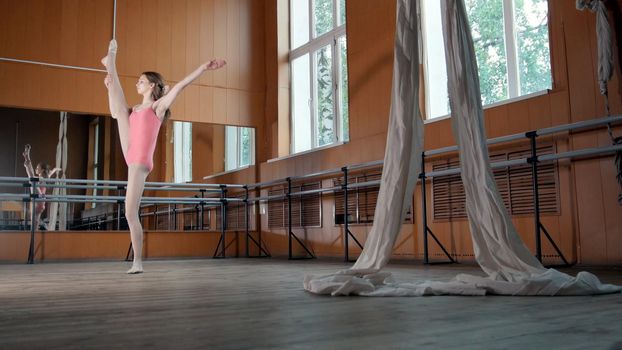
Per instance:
{"type": "Point", "coordinates": [182, 148]}
{"type": "Point", "coordinates": [33, 141]}
{"type": "Point", "coordinates": [239, 147]}
{"type": "Point", "coordinates": [185, 152]}
{"type": "Point", "coordinates": [203, 150]}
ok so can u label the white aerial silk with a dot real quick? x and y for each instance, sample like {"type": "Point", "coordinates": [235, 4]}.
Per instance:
{"type": "Point", "coordinates": [510, 268]}
{"type": "Point", "coordinates": [59, 210]}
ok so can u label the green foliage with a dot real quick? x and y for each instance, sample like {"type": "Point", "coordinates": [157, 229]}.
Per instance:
{"type": "Point", "coordinates": [325, 106]}
{"type": "Point", "coordinates": [245, 134]}
{"type": "Point", "coordinates": [323, 14]}
{"type": "Point", "coordinates": [486, 19]}
{"type": "Point", "coordinates": [532, 41]}
{"type": "Point", "coordinates": [345, 116]}
{"type": "Point", "coordinates": [533, 45]}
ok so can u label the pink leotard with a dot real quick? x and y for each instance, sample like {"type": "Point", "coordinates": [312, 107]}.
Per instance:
{"type": "Point", "coordinates": [144, 128]}
{"type": "Point", "coordinates": [41, 205]}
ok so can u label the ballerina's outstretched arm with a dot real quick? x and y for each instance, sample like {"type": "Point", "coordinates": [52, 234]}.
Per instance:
{"type": "Point", "coordinates": [166, 101]}
{"type": "Point", "coordinates": [54, 171]}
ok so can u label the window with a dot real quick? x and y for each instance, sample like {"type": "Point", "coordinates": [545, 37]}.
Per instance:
{"type": "Point", "coordinates": [319, 73]}
{"type": "Point", "coordinates": [182, 145]}
{"type": "Point", "coordinates": [512, 62]}
{"type": "Point", "coordinates": [239, 147]}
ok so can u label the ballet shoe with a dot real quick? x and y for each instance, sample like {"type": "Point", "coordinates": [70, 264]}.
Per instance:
{"type": "Point", "coordinates": [112, 50]}
{"type": "Point", "coordinates": [112, 46]}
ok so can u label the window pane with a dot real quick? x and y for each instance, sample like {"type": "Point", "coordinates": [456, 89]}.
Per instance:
{"type": "Point", "coordinates": [245, 146]}
{"type": "Point", "coordinates": [324, 109]}
{"type": "Point", "coordinates": [343, 88]}
{"type": "Point", "coordinates": [437, 101]}
{"type": "Point", "coordinates": [486, 19]}
{"type": "Point", "coordinates": [182, 151]}
{"type": "Point", "coordinates": [342, 12]}
{"type": "Point", "coordinates": [322, 16]}
{"type": "Point", "coordinates": [299, 23]}
{"type": "Point", "coordinates": [301, 99]}
{"type": "Point", "coordinates": [231, 150]}
{"type": "Point", "coordinates": [187, 152]}
{"type": "Point", "coordinates": [532, 41]}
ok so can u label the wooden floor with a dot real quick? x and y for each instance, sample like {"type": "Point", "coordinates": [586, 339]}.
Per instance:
{"type": "Point", "coordinates": [260, 304]}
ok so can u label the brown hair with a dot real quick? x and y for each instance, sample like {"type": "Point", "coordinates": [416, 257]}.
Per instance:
{"type": "Point", "coordinates": [158, 89]}
{"type": "Point", "coordinates": [45, 167]}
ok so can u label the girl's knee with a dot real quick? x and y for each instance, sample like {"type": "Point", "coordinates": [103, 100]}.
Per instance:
{"type": "Point", "coordinates": [132, 216]}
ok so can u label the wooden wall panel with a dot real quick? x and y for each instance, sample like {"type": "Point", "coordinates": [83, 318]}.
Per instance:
{"type": "Point", "coordinates": [60, 31]}
{"type": "Point", "coordinates": [206, 102]}
{"type": "Point", "coordinates": [178, 47]}
{"type": "Point", "coordinates": [203, 151]}
{"type": "Point", "coordinates": [233, 44]}
{"type": "Point", "coordinates": [171, 37]}
{"type": "Point", "coordinates": [206, 37]}
{"type": "Point", "coordinates": [164, 51]}
{"type": "Point", "coordinates": [148, 37]}
{"type": "Point", "coordinates": [220, 40]}
{"type": "Point", "coordinates": [193, 34]}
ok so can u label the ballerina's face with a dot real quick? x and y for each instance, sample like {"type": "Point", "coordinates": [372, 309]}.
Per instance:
{"type": "Point", "coordinates": [39, 171]}
{"type": "Point", "coordinates": [143, 85]}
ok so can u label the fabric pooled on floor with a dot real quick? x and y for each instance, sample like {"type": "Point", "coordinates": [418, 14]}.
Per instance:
{"type": "Point", "coordinates": [382, 284]}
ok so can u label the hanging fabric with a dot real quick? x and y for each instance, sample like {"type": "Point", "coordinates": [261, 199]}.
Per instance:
{"type": "Point", "coordinates": [604, 39]}
{"type": "Point", "coordinates": [509, 266]}
{"type": "Point", "coordinates": [401, 166]}
{"type": "Point", "coordinates": [58, 211]}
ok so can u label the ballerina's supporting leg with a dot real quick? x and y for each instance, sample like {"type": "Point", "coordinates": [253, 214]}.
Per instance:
{"type": "Point", "coordinates": [137, 174]}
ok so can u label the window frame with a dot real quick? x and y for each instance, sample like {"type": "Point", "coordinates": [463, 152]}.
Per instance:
{"type": "Point", "coordinates": [512, 61]}
{"type": "Point", "coordinates": [311, 47]}
{"type": "Point", "coordinates": [238, 148]}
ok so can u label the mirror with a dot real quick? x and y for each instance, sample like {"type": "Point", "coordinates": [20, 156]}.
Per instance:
{"type": "Point", "coordinates": [186, 152]}
{"type": "Point", "coordinates": [204, 150]}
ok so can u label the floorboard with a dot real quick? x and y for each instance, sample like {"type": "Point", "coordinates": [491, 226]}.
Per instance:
{"type": "Point", "coordinates": [260, 304]}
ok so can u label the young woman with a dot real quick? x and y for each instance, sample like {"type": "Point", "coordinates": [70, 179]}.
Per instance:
{"type": "Point", "coordinates": [42, 171]}
{"type": "Point", "coordinates": [138, 131]}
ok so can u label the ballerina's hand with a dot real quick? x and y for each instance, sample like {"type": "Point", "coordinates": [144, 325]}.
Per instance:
{"type": "Point", "coordinates": [214, 64]}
